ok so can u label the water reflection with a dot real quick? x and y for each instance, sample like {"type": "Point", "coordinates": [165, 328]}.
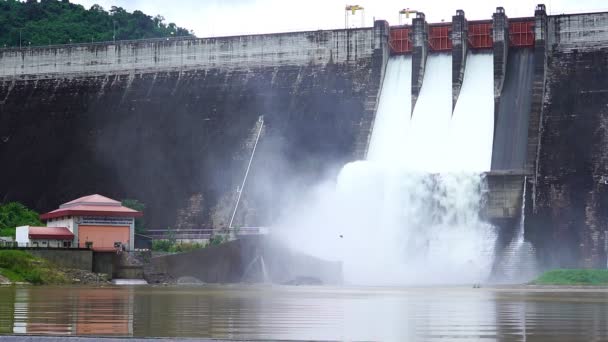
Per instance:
{"type": "Point", "coordinates": [71, 311]}
{"type": "Point", "coordinates": [321, 313]}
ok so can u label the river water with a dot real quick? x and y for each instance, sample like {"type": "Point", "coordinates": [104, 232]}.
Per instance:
{"type": "Point", "coordinates": [309, 313]}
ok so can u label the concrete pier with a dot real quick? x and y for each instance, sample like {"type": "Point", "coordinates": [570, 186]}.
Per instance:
{"type": "Point", "coordinates": [419, 54]}
{"type": "Point", "coordinates": [500, 36]}
{"type": "Point", "coordinates": [460, 43]}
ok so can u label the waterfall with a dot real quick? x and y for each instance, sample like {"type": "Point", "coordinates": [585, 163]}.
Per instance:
{"type": "Point", "coordinates": [472, 124]}
{"type": "Point", "coordinates": [392, 125]}
{"type": "Point", "coordinates": [252, 273]}
{"type": "Point", "coordinates": [265, 277]}
{"type": "Point", "coordinates": [409, 214]}
{"type": "Point", "coordinates": [518, 262]}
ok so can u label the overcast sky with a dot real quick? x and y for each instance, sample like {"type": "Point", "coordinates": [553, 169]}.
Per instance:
{"type": "Point", "coordinates": [230, 17]}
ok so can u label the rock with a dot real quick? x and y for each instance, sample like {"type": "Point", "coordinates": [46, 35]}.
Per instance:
{"type": "Point", "coordinates": [304, 281]}
{"type": "Point", "coordinates": [189, 281]}
{"type": "Point", "coordinates": [4, 281]}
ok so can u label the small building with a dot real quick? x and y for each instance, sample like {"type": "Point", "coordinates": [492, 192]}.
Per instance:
{"type": "Point", "coordinates": [96, 222]}
{"type": "Point", "coordinates": [50, 237]}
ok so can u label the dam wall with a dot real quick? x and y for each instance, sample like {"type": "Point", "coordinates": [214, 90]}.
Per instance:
{"type": "Point", "coordinates": [570, 214]}
{"type": "Point", "coordinates": [168, 122]}
{"type": "Point", "coordinates": [228, 53]}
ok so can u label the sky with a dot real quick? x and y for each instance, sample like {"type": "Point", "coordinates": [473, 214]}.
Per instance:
{"type": "Point", "coordinates": [209, 18]}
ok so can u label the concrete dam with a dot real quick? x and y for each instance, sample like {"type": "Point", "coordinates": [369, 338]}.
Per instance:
{"type": "Point", "coordinates": [174, 123]}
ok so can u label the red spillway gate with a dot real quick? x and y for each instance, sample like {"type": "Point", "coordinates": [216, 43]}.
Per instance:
{"type": "Point", "coordinates": [439, 38]}
{"type": "Point", "coordinates": [480, 35]}
{"type": "Point", "coordinates": [521, 33]}
{"type": "Point", "coordinates": [400, 40]}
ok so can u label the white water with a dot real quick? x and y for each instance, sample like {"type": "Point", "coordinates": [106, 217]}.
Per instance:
{"type": "Point", "coordinates": [392, 126]}
{"type": "Point", "coordinates": [409, 214]}
{"type": "Point", "coordinates": [519, 257]}
{"type": "Point", "coordinates": [472, 125]}
{"type": "Point", "coordinates": [428, 140]}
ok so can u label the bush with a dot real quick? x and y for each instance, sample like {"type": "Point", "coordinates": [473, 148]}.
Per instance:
{"type": "Point", "coordinates": [162, 245]}
{"type": "Point", "coordinates": [15, 214]}
{"type": "Point", "coordinates": [136, 205]}
{"type": "Point", "coordinates": [216, 240]}
{"type": "Point", "coordinates": [174, 247]}
{"type": "Point", "coordinates": [186, 247]}
{"type": "Point", "coordinates": [573, 277]}
{"type": "Point", "coordinates": [22, 266]}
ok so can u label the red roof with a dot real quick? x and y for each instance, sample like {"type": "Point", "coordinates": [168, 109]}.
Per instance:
{"type": "Point", "coordinates": [50, 233]}
{"type": "Point", "coordinates": [92, 205]}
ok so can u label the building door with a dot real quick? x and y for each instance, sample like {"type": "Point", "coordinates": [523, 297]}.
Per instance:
{"type": "Point", "coordinates": [103, 237]}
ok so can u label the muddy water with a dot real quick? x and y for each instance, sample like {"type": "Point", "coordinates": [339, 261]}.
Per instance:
{"type": "Point", "coordinates": [321, 313]}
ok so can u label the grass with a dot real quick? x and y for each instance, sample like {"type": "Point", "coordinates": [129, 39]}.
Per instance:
{"type": "Point", "coordinates": [7, 232]}
{"type": "Point", "coordinates": [20, 266]}
{"type": "Point", "coordinates": [573, 277]}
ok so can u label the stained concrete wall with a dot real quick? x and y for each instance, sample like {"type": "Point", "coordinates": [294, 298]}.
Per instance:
{"type": "Point", "coordinates": [503, 199]}
{"type": "Point", "coordinates": [569, 220]}
{"type": "Point", "coordinates": [167, 122]}
{"type": "Point", "coordinates": [67, 258]}
{"type": "Point", "coordinates": [237, 53]}
{"type": "Point", "coordinates": [248, 259]}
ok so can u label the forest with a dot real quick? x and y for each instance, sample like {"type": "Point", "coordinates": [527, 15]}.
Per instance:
{"type": "Point", "coordinates": [51, 22]}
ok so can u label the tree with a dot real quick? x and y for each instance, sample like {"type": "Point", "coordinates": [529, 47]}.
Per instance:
{"type": "Point", "coordinates": [136, 205]}
{"type": "Point", "coordinates": [61, 22]}
{"type": "Point", "coordinates": [15, 214]}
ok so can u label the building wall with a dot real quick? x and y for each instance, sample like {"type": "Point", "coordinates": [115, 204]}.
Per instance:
{"type": "Point", "coordinates": [104, 236]}
{"type": "Point", "coordinates": [22, 236]}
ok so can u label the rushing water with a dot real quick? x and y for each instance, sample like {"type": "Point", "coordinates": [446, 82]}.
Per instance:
{"type": "Point", "coordinates": [307, 313]}
{"type": "Point", "coordinates": [413, 205]}
{"type": "Point", "coordinates": [518, 262]}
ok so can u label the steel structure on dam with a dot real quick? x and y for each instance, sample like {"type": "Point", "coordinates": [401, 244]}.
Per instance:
{"type": "Point", "coordinates": [170, 122]}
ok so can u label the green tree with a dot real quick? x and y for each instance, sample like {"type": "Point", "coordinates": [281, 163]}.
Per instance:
{"type": "Point", "coordinates": [15, 214]}
{"type": "Point", "coordinates": [134, 204]}
{"type": "Point", "coordinates": [47, 22]}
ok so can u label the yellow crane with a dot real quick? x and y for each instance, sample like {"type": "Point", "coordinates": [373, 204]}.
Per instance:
{"type": "Point", "coordinates": [406, 12]}
{"type": "Point", "coordinates": [352, 10]}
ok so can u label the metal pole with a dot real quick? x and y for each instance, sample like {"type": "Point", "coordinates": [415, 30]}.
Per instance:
{"type": "Point", "coordinates": [255, 145]}
{"type": "Point", "coordinates": [114, 32]}
{"type": "Point", "coordinates": [20, 38]}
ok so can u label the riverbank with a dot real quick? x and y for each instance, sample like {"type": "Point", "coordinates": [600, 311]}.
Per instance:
{"type": "Point", "coordinates": [21, 267]}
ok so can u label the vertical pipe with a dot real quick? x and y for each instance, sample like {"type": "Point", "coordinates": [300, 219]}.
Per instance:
{"type": "Point", "coordinates": [255, 145]}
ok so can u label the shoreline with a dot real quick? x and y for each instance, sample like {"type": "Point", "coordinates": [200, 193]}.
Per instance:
{"type": "Point", "coordinates": [250, 286]}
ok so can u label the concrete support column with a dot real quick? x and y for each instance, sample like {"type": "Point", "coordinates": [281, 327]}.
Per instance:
{"type": "Point", "coordinates": [420, 51]}
{"type": "Point", "coordinates": [460, 39]}
{"type": "Point", "coordinates": [538, 90]}
{"type": "Point", "coordinates": [500, 35]}
{"type": "Point", "coordinates": [380, 56]}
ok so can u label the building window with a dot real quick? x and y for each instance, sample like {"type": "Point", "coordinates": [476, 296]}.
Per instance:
{"type": "Point", "coordinates": [67, 244]}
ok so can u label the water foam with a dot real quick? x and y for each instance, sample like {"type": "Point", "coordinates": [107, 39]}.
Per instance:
{"type": "Point", "coordinates": [410, 212]}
